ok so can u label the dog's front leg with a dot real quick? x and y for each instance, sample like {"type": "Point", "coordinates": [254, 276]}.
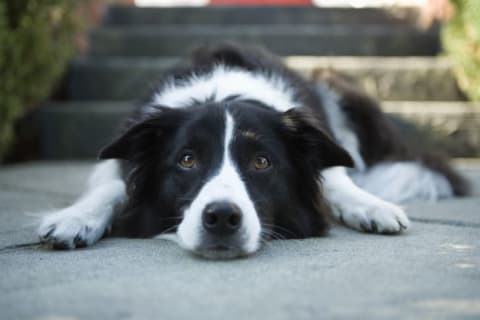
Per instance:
{"type": "Point", "coordinates": [359, 209]}
{"type": "Point", "coordinates": [85, 222]}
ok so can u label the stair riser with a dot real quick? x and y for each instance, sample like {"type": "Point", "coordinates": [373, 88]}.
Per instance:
{"type": "Point", "coordinates": [362, 43]}
{"type": "Point", "coordinates": [257, 15]}
{"type": "Point", "coordinates": [72, 132]}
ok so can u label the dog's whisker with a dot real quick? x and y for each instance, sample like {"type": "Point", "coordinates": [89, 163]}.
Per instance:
{"type": "Point", "coordinates": [186, 198]}
{"type": "Point", "coordinates": [278, 227]}
{"type": "Point", "coordinates": [169, 218]}
{"type": "Point", "coordinates": [168, 230]}
{"type": "Point", "coordinates": [272, 234]}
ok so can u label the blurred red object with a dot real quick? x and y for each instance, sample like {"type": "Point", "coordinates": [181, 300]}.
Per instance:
{"type": "Point", "coordinates": [261, 2]}
{"type": "Point", "coordinates": [436, 10]}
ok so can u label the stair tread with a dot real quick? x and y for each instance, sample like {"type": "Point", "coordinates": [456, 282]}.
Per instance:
{"type": "Point", "coordinates": [351, 62]}
{"type": "Point", "coordinates": [287, 29]}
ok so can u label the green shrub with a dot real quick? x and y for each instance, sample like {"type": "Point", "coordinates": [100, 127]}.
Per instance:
{"type": "Point", "coordinates": [36, 41]}
{"type": "Point", "coordinates": [461, 40]}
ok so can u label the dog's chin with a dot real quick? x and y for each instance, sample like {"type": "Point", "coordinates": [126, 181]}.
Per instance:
{"type": "Point", "coordinates": [220, 252]}
{"type": "Point", "coordinates": [218, 247]}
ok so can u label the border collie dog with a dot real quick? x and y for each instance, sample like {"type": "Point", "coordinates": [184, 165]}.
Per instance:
{"type": "Point", "coordinates": [232, 148]}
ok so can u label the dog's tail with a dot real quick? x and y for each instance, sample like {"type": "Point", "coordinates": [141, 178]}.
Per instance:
{"type": "Point", "coordinates": [439, 164]}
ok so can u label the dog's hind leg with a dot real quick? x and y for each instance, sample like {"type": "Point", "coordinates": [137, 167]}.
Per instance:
{"type": "Point", "coordinates": [85, 222]}
{"type": "Point", "coordinates": [412, 180]}
{"type": "Point", "coordinates": [359, 209]}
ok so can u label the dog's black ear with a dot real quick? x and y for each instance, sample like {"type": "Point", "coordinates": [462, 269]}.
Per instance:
{"type": "Point", "coordinates": [142, 137]}
{"type": "Point", "coordinates": [312, 143]}
{"type": "Point", "coordinates": [122, 147]}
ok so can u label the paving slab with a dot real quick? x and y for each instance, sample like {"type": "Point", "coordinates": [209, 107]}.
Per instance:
{"type": "Point", "coordinates": [430, 272]}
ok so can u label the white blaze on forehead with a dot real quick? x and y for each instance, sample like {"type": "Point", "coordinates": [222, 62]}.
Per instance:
{"type": "Point", "coordinates": [226, 185]}
{"type": "Point", "coordinates": [225, 81]}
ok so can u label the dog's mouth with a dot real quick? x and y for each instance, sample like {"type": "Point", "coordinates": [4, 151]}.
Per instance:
{"type": "Point", "coordinates": [220, 252]}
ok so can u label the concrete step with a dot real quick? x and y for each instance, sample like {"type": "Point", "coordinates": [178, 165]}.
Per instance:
{"type": "Point", "coordinates": [392, 78]}
{"type": "Point", "coordinates": [77, 130]}
{"type": "Point", "coordinates": [122, 15]}
{"type": "Point", "coordinates": [174, 40]}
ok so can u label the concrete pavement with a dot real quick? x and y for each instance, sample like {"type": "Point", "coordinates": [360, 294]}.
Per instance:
{"type": "Point", "coordinates": [430, 272]}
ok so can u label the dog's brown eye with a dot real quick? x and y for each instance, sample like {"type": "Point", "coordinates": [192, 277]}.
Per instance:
{"type": "Point", "coordinates": [261, 163]}
{"type": "Point", "coordinates": [187, 161]}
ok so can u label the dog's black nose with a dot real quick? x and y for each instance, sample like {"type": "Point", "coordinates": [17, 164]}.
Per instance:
{"type": "Point", "coordinates": [221, 218]}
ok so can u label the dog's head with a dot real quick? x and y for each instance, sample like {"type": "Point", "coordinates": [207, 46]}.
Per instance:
{"type": "Point", "coordinates": [233, 174]}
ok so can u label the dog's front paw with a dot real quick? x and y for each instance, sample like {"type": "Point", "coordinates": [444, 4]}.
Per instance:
{"type": "Point", "coordinates": [378, 217]}
{"type": "Point", "coordinates": [66, 229]}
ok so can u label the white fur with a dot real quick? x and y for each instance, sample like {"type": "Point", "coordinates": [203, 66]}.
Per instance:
{"type": "Point", "coordinates": [89, 217]}
{"type": "Point", "coordinates": [403, 181]}
{"type": "Point", "coordinates": [340, 129]}
{"type": "Point", "coordinates": [225, 81]}
{"type": "Point", "coordinates": [227, 185]}
{"type": "Point", "coordinates": [359, 209]}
